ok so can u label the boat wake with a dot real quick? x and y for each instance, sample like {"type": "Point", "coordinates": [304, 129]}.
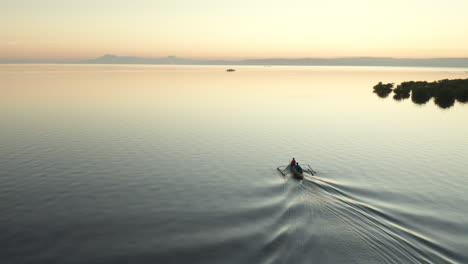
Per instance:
{"type": "Point", "coordinates": [285, 171]}
{"type": "Point", "coordinates": [391, 238]}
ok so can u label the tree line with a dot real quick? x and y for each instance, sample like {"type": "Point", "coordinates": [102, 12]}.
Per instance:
{"type": "Point", "coordinates": [444, 92]}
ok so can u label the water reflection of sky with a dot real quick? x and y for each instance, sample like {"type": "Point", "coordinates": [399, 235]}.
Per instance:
{"type": "Point", "coordinates": [125, 128]}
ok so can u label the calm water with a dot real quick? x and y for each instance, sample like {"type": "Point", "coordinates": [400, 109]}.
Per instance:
{"type": "Point", "coordinates": [177, 164]}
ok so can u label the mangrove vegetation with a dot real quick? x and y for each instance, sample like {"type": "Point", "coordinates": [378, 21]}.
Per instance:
{"type": "Point", "coordinates": [444, 92]}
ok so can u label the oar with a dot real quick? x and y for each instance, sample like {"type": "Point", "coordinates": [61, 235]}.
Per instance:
{"type": "Point", "coordinates": [284, 169]}
{"type": "Point", "coordinates": [280, 171]}
{"type": "Point", "coordinates": [311, 170]}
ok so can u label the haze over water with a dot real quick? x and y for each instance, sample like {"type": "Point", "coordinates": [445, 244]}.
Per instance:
{"type": "Point", "coordinates": [177, 164]}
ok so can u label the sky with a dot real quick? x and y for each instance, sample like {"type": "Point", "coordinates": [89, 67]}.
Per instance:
{"type": "Point", "coordinates": [233, 29]}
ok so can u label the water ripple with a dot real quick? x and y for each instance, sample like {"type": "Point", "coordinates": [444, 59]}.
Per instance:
{"type": "Point", "coordinates": [389, 236]}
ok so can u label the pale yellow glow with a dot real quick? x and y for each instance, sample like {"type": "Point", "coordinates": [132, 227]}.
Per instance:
{"type": "Point", "coordinates": [233, 29]}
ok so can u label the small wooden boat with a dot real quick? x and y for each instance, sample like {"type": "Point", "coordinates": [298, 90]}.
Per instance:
{"type": "Point", "coordinates": [296, 174]}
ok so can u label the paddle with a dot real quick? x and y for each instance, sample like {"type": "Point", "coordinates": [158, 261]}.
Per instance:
{"type": "Point", "coordinates": [311, 170]}
{"type": "Point", "coordinates": [281, 171]}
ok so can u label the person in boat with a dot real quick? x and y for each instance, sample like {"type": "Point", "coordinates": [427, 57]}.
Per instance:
{"type": "Point", "coordinates": [293, 163]}
{"type": "Point", "coordinates": [298, 168]}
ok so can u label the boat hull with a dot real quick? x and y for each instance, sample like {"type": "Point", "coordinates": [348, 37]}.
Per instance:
{"type": "Point", "coordinates": [296, 174]}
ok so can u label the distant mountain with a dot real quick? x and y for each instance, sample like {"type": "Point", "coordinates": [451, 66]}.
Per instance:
{"type": "Point", "coordinates": [356, 61]}
{"type": "Point", "coordinates": [113, 59]}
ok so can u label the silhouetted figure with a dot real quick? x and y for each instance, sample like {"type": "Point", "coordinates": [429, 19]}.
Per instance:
{"type": "Point", "coordinates": [293, 163]}
{"type": "Point", "coordinates": [298, 168]}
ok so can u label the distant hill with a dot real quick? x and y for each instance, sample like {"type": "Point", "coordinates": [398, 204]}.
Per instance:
{"type": "Point", "coordinates": [356, 61]}
{"type": "Point", "coordinates": [113, 59]}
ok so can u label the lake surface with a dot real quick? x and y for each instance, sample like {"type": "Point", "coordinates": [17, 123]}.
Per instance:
{"type": "Point", "coordinates": [177, 164]}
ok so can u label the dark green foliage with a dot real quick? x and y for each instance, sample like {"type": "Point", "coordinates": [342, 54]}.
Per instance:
{"type": "Point", "coordinates": [400, 97]}
{"type": "Point", "coordinates": [444, 98]}
{"type": "Point", "coordinates": [461, 90]}
{"type": "Point", "coordinates": [383, 90]}
{"type": "Point", "coordinates": [420, 95]}
{"type": "Point", "coordinates": [402, 91]}
{"type": "Point", "coordinates": [462, 94]}
{"type": "Point", "coordinates": [445, 92]}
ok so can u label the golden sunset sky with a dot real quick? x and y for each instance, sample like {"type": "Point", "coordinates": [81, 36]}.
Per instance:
{"type": "Point", "coordinates": [233, 29]}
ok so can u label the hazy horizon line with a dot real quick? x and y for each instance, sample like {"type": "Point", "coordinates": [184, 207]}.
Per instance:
{"type": "Point", "coordinates": [455, 62]}
{"type": "Point", "coordinates": [227, 59]}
